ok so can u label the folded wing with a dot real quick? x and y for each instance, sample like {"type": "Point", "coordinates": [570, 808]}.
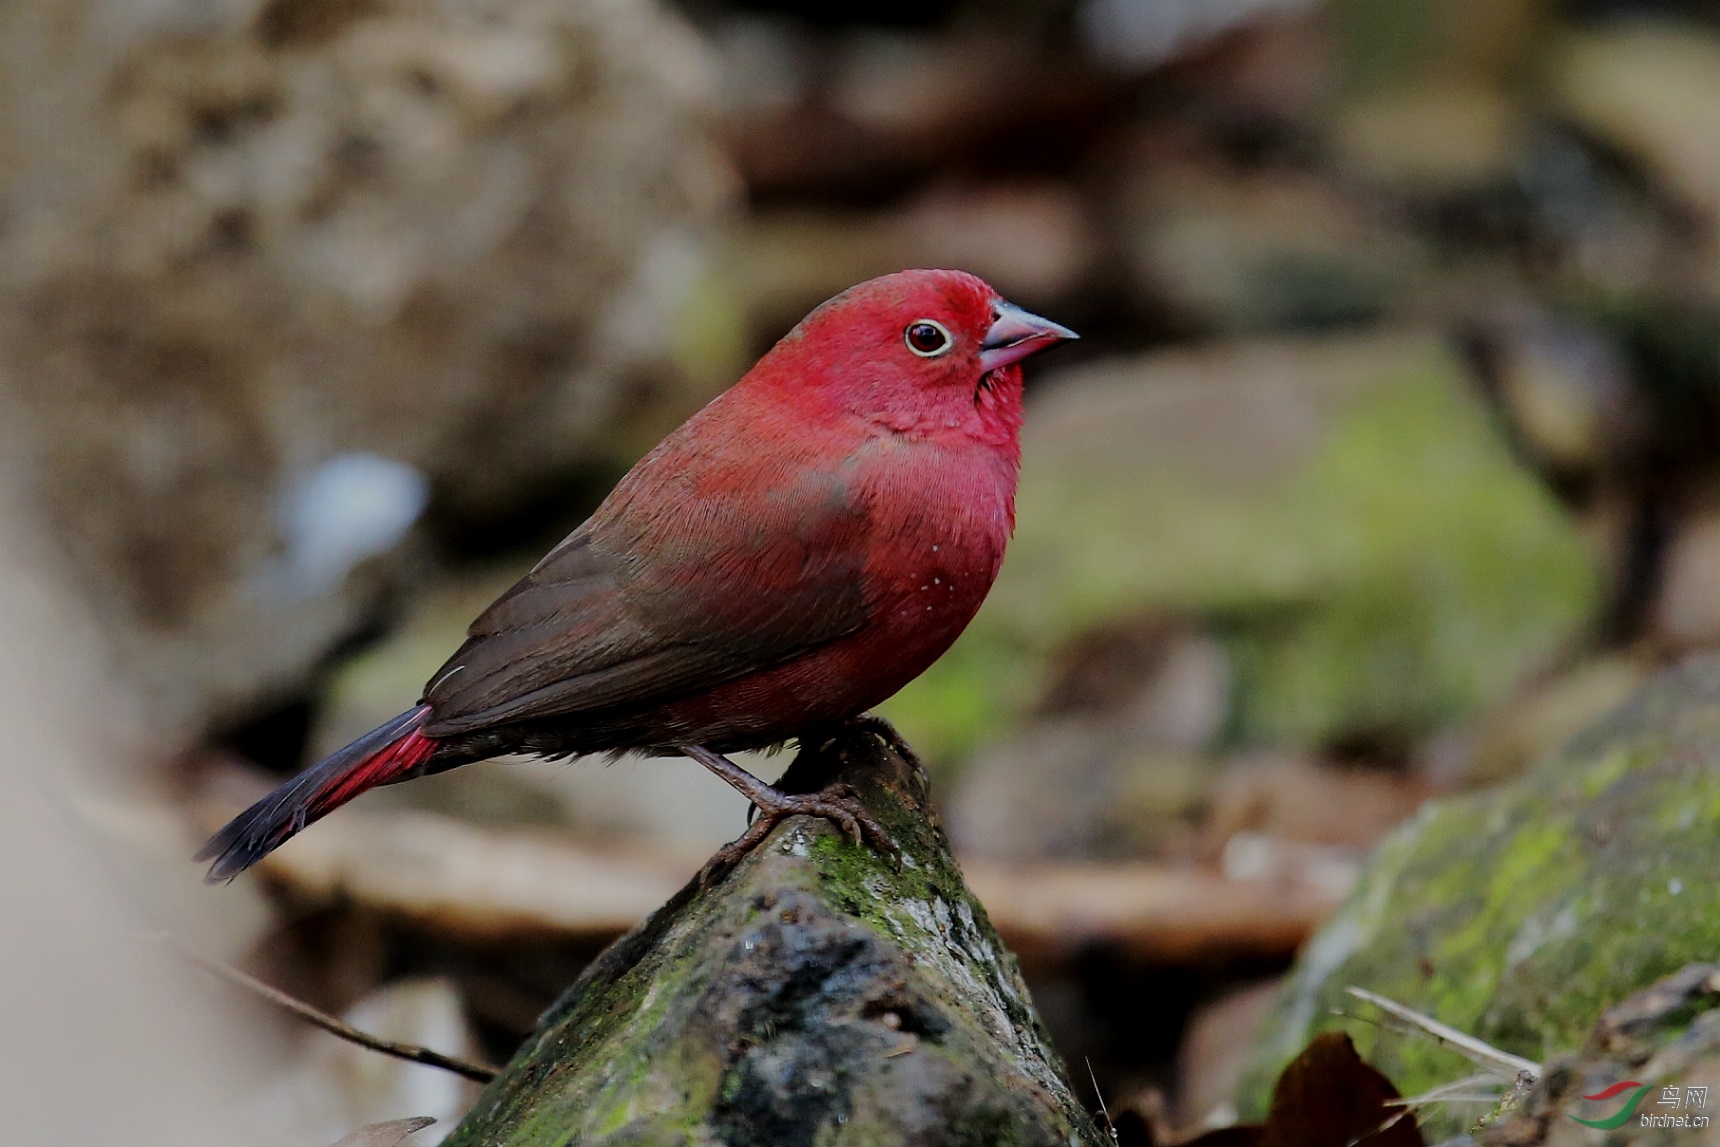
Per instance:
{"type": "Point", "coordinates": [665, 596]}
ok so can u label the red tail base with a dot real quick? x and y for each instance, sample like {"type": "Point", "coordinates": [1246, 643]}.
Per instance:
{"type": "Point", "coordinates": [388, 753]}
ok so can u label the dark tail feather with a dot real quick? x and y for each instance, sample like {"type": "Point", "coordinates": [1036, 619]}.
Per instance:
{"type": "Point", "coordinates": [390, 752]}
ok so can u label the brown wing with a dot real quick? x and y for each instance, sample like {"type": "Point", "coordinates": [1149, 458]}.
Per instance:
{"type": "Point", "coordinates": [656, 599]}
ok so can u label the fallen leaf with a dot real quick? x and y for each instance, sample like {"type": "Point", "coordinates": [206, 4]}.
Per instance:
{"type": "Point", "coordinates": [385, 1134]}
{"type": "Point", "coordinates": [1326, 1097]}
{"type": "Point", "coordinates": [1329, 1097]}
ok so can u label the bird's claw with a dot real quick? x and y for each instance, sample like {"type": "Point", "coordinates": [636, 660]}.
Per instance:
{"type": "Point", "coordinates": [840, 804]}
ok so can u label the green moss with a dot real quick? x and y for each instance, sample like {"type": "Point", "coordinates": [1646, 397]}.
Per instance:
{"type": "Point", "coordinates": [1453, 573]}
{"type": "Point", "coordinates": [705, 1023]}
{"type": "Point", "coordinates": [1520, 915]}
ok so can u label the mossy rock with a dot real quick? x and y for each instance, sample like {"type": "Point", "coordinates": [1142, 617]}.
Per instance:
{"type": "Point", "coordinates": [820, 993]}
{"type": "Point", "coordinates": [1345, 512]}
{"type": "Point", "coordinates": [1520, 915]}
{"type": "Point", "coordinates": [1663, 1043]}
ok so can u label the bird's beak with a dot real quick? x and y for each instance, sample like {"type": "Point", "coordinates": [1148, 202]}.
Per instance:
{"type": "Point", "coordinates": [1015, 334]}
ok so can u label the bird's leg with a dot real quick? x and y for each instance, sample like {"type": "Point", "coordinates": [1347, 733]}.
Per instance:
{"type": "Point", "coordinates": [839, 803]}
{"type": "Point", "coordinates": [886, 732]}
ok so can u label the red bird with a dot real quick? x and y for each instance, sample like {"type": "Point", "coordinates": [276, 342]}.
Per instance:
{"type": "Point", "coordinates": [792, 555]}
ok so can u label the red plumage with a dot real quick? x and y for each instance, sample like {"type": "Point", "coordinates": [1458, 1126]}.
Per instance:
{"type": "Point", "coordinates": [792, 555]}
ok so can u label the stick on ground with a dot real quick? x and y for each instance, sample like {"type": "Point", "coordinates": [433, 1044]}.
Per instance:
{"type": "Point", "coordinates": [478, 1072]}
{"type": "Point", "coordinates": [1474, 1049]}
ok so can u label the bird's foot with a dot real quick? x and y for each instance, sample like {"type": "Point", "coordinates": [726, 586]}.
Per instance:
{"type": "Point", "coordinates": [839, 804]}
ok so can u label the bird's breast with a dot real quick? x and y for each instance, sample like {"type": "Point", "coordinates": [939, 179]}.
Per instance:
{"type": "Point", "coordinates": [935, 523]}
{"type": "Point", "coordinates": [940, 518]}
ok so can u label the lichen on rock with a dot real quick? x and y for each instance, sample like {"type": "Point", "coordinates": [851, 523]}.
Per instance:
{"type": "Point", "coordinates": [1663, 1043]}
{"type": "Point", "coordinates": [1519, 915]}
{"type": "Point", "coordinates": [818, 993]}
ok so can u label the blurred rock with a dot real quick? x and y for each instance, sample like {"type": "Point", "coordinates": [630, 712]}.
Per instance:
{"type": "Point", "coordinates": [1214, 1053]}
{"type": "Point", "coordinates": [501, 888]}
{"type": "Point", "coordinates": [1051, 790]}
{"type": "Point", "coordinates": [1639, 87]}
{"type": "Point", "coordinates": [1389, 44]}
{"type": "Point", "coordinates": [1141, 34]}
{"type": "Point", "coordinates": [1155, 914]}
{"type": "Point", "coordinates": [1540, 720]}
{"type": "Point", "coordinates": [1565, 386]}
{"type": "Point", "coordinates": [1438, 137]}
{"type": "Point", "coordinates": [1518, 915]}
{"type": "Point", "coordinates": [241, 241]}
{"type": "Point", "coordinates": [1375, 557]}
{"type": "Point", "coordinates": [864, 113]}
{"type": "Point", "coordinates": [869, 109]}
{"type": "Point", "coordinates": [1606, 232]}
{"type": "Point", "coordinates": [1296, 798]}
{"type": "Point", "coordinates": [1254, 856]}
{"type": "Point", "coordinates": [1688, 611]}
{"type": "Point", "coordinates": [1115, 766]}
{"type": "Point", "coordinates": [1030, 240]}
{"type": "Point", "coordinates": [764, 66]}
{"type": "Point", "coordinates": [926, 90]}
{"type": "Point", "coordinates": [1260, 252]}
{"type": "Point", "coordinates": [475, 884]}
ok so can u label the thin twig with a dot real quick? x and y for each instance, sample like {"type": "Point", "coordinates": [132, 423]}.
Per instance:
{"type": "Point", "coordinates": [1468, 1045]}
{"type": "Point", "coordinates": [1457, 1091]}
{"type": "Point", "coordinates": [1386, 1023]}
{"type": "Point", "coordinates": [1110, 1128]}
{"type": "Point", "coordinates": [479, 1072]}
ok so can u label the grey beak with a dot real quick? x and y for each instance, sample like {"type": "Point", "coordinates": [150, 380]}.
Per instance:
{"type": "Point", "coordinates": [1015, 334]}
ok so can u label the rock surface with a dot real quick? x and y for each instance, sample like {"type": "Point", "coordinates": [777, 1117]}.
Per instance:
{"type": "Point", "coordinates": [1519, 915]}
{"type": "Point", "coordinates": [1633, 84]}
{"type": "Point", "coordinates": [1665, 1040]}
{"type": "Point", "coordinates": [442, 245]}
{"type": "Point", "coordinates": [1268, 254]}
{"type": "Point", "coordinates": [818, 993]}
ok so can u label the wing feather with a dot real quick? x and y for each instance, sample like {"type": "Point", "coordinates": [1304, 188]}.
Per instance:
{"type": "Point", "coordinates": [654, 599]}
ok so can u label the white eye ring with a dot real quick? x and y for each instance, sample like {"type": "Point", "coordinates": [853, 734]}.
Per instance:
{"type": "Point", "coordinates": [944, 346]}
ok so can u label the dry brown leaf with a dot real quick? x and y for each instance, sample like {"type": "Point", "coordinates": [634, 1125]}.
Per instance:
{"type": "Point", "coordinates": [385, 1134]}
{"type": "Point", "coordinates": [1329, 1097]}
{"type": "Point", "coordinates": [1326, 1097]}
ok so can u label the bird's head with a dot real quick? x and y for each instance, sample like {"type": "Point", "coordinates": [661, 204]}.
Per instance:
{"type": "Point", "coordinates": [921, 352]}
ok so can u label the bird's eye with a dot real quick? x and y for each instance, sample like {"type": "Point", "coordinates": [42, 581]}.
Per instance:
{"type": "Point", "coordinates": [927, 339]}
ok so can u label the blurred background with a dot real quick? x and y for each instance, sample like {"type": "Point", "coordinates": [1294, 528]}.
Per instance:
{"type": "Point", "coordinates": [1386, 462]}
